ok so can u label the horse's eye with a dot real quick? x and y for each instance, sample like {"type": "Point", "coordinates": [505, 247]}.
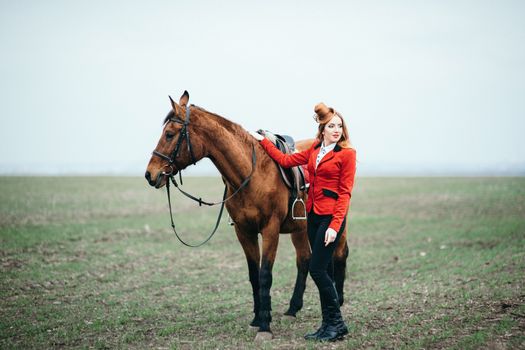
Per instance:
{"type": "Point", "coordinates": [169, 136]}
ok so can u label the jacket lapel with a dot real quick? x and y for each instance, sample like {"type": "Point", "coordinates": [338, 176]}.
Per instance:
{"type": "Point", "coordinates": [326, 157]}
{"type": "Point", "coordinates": [313, 156]}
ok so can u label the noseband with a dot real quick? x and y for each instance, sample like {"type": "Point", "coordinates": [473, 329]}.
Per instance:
{"type": "Point", "coordinates": [185, 135]}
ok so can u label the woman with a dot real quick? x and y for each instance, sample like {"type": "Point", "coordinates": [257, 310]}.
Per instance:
{"type": "Point", "coordinates": [331, 165]}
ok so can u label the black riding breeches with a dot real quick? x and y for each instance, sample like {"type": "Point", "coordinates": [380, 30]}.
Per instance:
{"type": "Point", "coordinates": [321, 262]}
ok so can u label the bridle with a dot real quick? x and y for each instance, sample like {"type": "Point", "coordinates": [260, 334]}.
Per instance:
{"type": "Point", "coordinates": [185, 135]}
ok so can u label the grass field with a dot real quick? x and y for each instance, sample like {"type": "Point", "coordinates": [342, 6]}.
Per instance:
{"type": "Point", "coordinates": [92, 263]}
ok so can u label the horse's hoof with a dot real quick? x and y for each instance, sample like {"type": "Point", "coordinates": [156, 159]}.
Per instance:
{"type": "Point", "coordinates": [263, 336]}
{"type": "Point", "coordinates": [290, 313]}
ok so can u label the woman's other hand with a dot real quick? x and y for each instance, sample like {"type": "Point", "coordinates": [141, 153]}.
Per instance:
{"type": "Point", "coordinates": [329, 236]}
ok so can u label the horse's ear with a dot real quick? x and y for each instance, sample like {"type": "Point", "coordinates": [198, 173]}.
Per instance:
{"type": "Point", "coordinates": [174, 106]}
{"type": "Point", "coordinates": [184, 99]}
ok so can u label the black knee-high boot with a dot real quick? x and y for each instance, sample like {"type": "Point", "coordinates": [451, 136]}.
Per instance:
{"type": "Point", "coordinates": [335, 327]}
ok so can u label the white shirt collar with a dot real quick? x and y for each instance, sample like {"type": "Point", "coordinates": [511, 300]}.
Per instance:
{"type": "Point", "coordinates": [322, 152]}
{"type": "Point", "coordinates": [328, 148]}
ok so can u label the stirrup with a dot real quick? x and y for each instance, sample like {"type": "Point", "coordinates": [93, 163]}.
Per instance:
{"type": "Point", "coordinates": [293, 207]}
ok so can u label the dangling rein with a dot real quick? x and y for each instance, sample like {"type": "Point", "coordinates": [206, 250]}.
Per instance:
{"type": "Point", "coordinates": [201, 202]}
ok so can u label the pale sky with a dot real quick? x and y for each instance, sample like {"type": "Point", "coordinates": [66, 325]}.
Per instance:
{"type": "Point", "coordinates": [423, 85]}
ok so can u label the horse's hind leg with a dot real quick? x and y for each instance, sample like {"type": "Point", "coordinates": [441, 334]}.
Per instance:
{"type": "Point", "coordinates": [302, 252]}
{"type": "Point", "coordinates": [340, 256]}
{"type": "Point", "coordinates": [250, 245]}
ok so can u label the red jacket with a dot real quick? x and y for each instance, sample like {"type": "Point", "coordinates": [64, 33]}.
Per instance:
{"type": "Point", "coordinates": [330, 184]}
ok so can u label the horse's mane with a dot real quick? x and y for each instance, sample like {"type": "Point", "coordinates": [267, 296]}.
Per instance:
{"type": "Point", "coordinates": [227, 124]}
{"type": "Point", "coordinates": [235, 128]}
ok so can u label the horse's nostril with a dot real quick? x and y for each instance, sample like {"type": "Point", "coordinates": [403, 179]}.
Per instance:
{"type": "Point", "coordinates": [148, 176]}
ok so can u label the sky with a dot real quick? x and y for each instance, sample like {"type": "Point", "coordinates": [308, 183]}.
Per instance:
{"type": "Point", "coordinates": [426, 87]}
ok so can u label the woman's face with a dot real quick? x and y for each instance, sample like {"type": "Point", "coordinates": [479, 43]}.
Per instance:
{"type": "Point", "coordinates": [333, 130]}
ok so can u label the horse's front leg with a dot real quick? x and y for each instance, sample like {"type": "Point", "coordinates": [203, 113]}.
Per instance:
{"type": "Point", "coordinates": [270, 239]}
{"type": "Point", "coordinates": [250, 246]}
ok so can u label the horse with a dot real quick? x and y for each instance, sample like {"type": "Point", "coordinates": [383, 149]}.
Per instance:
{"type": "Point", "coordinates": [261, 206]}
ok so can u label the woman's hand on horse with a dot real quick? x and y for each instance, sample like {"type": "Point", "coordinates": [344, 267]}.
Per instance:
{"type": "Point", "coordinates": [329, 236]}
{"type": "Point", "coordinates": [256, 136]}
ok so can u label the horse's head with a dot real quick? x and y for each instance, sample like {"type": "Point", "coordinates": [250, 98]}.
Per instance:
{"type": "Point", "coordinates": [178, 146]}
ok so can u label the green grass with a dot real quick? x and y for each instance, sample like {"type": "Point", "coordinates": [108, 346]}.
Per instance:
{"type": "Point", "coordinates": [92, 263]}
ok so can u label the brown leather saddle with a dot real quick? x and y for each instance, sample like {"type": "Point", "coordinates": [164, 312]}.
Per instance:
{"type": "Point", "coordinates": [293, 177]}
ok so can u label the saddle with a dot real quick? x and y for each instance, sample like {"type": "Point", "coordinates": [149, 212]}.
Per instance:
{"type": "Point", "coordinates": [293, 177]}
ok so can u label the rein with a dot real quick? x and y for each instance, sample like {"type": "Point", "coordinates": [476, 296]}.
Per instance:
{"type": "Point", "coordinates": [185, 135]}
{"type": "Point", "coordinates": [173, 223]}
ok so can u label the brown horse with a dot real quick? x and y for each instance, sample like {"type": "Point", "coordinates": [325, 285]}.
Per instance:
{"type": "Point", "coordinates": [262, 206]}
